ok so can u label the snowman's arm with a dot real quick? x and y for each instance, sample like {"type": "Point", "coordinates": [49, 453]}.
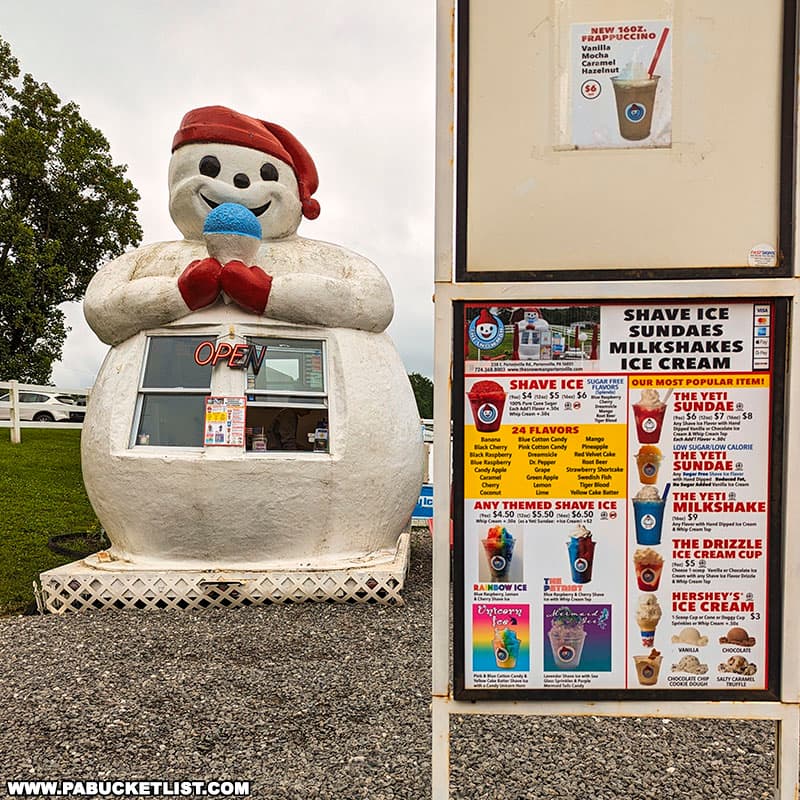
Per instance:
{"type": "Point", "coordinates": [118, 305]}
{"type": "Point", "coordinates": [353, 294]}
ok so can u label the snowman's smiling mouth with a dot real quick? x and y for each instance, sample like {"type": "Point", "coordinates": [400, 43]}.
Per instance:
{"type": "Point", "coordinates": [257, 211]}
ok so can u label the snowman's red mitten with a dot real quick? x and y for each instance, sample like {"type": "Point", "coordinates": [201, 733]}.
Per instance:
{"type": "Point", "coordinates": [199, 283]}
{"type": "Point", "coordinates": [247, 286]}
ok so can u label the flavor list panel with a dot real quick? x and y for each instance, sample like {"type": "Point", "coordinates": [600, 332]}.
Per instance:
{"type": "Point", "coordinates": [616, 520]}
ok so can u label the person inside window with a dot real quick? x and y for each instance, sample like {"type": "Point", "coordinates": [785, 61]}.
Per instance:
{"type": "Point", "coordinates": [282, 434]}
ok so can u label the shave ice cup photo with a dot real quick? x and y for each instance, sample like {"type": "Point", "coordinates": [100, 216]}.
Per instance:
{"type": "Point", "coordinates": [567, 636]}
{"type": "Point", "coordinates": [648, 514]}
{"type": "Point", "coordinates": [648, 461]}
{"type": "Point", "coordinates": [648, 565]}
{"type": "Point", "coordinates": [499, 548]}
{"type": "Point", "coordinates": [648, 415]}
{"type": "Point", "coordinates": [487, 400]}
{"type": "Point", "coordinates": [506, 647]}
{"type": "Point", "coordinates": [581, 554]}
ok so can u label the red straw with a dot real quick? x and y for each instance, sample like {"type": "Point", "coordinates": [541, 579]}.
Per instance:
{"type": "Point", "coordinates": [657, 55]}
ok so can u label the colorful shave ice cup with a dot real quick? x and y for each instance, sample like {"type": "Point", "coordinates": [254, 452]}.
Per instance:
{"type": "Point", "coordinates": [635, 100]}
{"type": "Point", "coordinates": [499, 548]}
{"type": "Point", "coordinates": [566, 638]}
{"type": "Point", "coordinates": [648, 460]}
{"type": "Point", "coordinates": [487, 400]}
{"type": "Point", "coordinates": [648, 667]}
{"type": "Point", "coordinates": [581, 554]}
{"type": "Point", "coordinates": [506, 648]}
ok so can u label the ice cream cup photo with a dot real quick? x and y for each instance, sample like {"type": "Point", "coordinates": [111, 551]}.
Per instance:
{"type": "Point", "coordinates": [648, 565]}
{"type": "Point", "coordinates": [581, 555]}
{"type": "Point", "coordinates": [648, 460]}
{"type": "Point", "coordinates": [506, 648]}
{"type": "Point", "coordinates": [499, 548]}
{"type": "Point", "coordinates": [635, 101]}
{"type": "Point", "coordinates": [487, 400]}
{"type": "Point", "coordinates": [647, 668]}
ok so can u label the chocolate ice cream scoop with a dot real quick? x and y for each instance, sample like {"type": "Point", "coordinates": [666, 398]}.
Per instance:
{"type": "Point", "coordinates": [739, 637]}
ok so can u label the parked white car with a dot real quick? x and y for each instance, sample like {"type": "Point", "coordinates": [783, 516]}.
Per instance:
{"type": "Point", "coordinates": [43, 407]}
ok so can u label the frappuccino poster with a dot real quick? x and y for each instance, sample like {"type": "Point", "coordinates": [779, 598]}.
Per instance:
{"type": "Point", "coordinates": [621, 84]}
{"type": "Point", "coordinates": [617, 494]}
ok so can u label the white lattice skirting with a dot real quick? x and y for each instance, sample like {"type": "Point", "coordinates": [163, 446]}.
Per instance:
{"type": "Point", "coordinates": [81, 587]}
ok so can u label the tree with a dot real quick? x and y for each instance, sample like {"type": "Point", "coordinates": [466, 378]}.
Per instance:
{"type": "Point", "coordinates": [64, 209]}
{"type": "Point", "coordinates": [423, 391]}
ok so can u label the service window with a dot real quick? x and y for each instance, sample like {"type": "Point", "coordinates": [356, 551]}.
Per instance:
{"type": "Point", "coordinates": [287, 401]}
{"type": "Point", "coordinates": [170, 411]}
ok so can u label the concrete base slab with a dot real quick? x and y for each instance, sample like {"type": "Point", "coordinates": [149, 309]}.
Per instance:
{"type": "Point", "coordinates": [79, 586]}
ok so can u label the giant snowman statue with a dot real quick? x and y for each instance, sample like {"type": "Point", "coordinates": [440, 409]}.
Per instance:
{"type": "Point", "coordinates": [327, 463]}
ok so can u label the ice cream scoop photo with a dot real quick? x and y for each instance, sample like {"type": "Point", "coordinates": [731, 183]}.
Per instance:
{"type": "Point", "coordinates": [691, 637]}
{"type": "Point", "coordinates": [738, 637]}
{"type": "Point", "coordinates": [690, 664]}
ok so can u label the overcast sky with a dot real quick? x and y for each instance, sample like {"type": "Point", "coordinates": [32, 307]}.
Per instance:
{"type": "Point", "coordinates": [354, 80]}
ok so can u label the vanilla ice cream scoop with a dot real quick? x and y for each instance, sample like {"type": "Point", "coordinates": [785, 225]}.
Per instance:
{"type": "Point", "coordinates": [690, 636]}
{"type": "Point", "coordinates": [232, 233]}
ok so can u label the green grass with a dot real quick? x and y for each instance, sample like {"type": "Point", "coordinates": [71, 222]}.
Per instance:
{"type": "Point", "coordinates": [41, 495]}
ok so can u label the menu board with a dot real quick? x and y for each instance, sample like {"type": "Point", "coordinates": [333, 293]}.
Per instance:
{"type": "Point", "coordinates": [617, 510]}
{"type": "Point", "coordinates": [224, 422]}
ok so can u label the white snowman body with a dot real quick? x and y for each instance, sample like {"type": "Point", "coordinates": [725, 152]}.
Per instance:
{"type": "Point", "coordinates": [194, 507]}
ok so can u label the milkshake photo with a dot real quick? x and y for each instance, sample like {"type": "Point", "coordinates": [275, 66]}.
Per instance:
{"type": "Point", "coordinates": [648, 514]}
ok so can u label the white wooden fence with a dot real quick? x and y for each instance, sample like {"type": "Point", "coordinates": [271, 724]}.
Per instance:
{"type": "Point", "coordinates": [14, 422]}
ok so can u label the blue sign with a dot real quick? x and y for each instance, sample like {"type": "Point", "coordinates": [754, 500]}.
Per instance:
{"type": "Point", "coordinates": [424, 507]}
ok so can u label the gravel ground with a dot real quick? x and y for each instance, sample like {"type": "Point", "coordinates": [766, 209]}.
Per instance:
{"type": "Point", "coordinates": [322, 701]}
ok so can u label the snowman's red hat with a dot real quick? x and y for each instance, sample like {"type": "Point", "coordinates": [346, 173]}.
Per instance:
{"type": "Point", "coordinates": [220, 125]}
{"type": "Point", "coordinates": [485, 318]}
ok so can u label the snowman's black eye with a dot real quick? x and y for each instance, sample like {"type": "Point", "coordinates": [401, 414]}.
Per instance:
{"type": "Point", "coordinates": [209, 166]}
{"type": "Point", "coordinates": [269, 172]}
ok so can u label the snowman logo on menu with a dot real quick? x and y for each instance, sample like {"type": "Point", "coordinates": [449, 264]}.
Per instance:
{"type": "Point", "coordinates": [486, 331]}
{"type": "Point", "coordinates": [239, 187]}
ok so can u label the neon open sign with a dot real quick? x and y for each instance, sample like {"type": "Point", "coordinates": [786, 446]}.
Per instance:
{"type": "Point", "coordinates": [238, 356]}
